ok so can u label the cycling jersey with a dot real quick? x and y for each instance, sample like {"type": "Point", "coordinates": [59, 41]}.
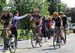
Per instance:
{"type": "Point", "coordinates": [37, 19]}
{"type": "Point", "coordinates": [49, 24]}
{"type": "Point", "coordinates": [64, 20]}
{"type": "Point", "coordinates": [36, 16]}
{"type": "Point", "coordinates": [6, 18]}
{"type": "Point", "coordinates": [37, 22]}
{"type": "Point", "coordinates": [57, 21]}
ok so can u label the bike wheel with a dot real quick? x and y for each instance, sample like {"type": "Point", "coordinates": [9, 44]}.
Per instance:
{"type": "Point", "coordinates": [54, 42]}
{"type": "Point", "coordinates": [12, 44]}
{"type": "Point", "coordinates": [1, 41]}
{"type": "Point", "coordinates": [57, 42]}
{"type": "Point", "coordinates": [40, 43]}
{"type": "Point", "coordinates": [65, 37]}
{"type": "Point", "coordinates": [33, 41]}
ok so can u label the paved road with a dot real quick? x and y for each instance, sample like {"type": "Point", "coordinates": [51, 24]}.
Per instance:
{"type": "Point", "coordinates": [25, 47]}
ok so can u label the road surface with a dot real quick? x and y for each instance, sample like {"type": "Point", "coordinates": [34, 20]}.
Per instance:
{"type": "Point", "coordinates": [25, 46]}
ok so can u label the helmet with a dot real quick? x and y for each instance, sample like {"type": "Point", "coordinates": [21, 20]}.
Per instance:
{"type": "Point", "coordinates": [61, 12]}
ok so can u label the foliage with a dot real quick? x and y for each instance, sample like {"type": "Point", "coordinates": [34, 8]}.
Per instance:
{"type": "Point", "coordinates": [2, 4]}
{"type": "Point", "coordinates": [27, 6]}
{"type": "Point", "coordinates": [62, 7]}
{"type": "Point", "coordinates": [56, 6]}
{"type": "Point", "coordinates": [71, 13]}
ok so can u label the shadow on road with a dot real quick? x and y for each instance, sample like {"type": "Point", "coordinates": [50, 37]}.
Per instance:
{"type": "Point", "coordinates": [49, 49]}
{"type": "Point", "coordinates": [25, 48]}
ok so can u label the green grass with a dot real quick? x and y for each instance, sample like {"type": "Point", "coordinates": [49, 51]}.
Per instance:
{"type": "Point", "coordinates": [19, 31]}
{"type": "Point", "coordinates": [24, 36]}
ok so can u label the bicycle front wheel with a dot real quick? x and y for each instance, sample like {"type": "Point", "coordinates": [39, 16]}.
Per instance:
{"type": "Point", "coordinates": [12, 44]}
{"type": "Point", "coordinates": [33, 41]}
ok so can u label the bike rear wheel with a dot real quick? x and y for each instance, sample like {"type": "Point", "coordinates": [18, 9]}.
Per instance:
{"type": "Point", "coordinates": [33, 41]}
{"type": "Point", "coordinates": [57, 42]}
{"type": "Point", "coordinates": [1, 41]}
{"type": "Point", "coordinates": [36, 40]}
{"type": "Point", "coordinates": [12, 44]}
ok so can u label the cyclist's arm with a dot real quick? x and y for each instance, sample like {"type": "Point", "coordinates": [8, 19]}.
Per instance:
{"type": "Point", "coordinates": [20, 17]}
{"type": "Point", "coordinates": [40, 22]}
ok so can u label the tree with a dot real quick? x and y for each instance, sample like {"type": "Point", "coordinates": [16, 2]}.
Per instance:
{"type": "Point", "coordinates": [71, 13]}
{"type": "Point", "coordinates": [2, 4]}
{"type": "Point", "coordinates": [62, 7]}
{"type": "Point", "coordinates": [27, 6]}
{"type": "Point", "coordinates": [56, 5]}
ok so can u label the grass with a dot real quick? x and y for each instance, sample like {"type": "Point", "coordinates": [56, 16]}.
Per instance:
{"type": "Point", "coordinates": [19, 31]}
{"type": "Point", "coordinates": [24, 36]}
{"type": "Point", "coordinates": [29, 36]}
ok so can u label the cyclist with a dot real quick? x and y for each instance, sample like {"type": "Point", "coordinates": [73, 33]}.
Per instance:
{"type": "Point", "coordinates": [48, 26]}
{"type": "Point", "coordinates": [58, 22]}
{"type": "Point", "coordinates": [64, 19]}
{"type": "Point", "coordinates": [16, 17]}
{"type": "Point", "coordinates": [37, 20]}
{"type": "Point", "coordinates": [43, 26]}
{"type": "Point", "coordinates": [64, 22]}
{"type": "Point", "coordinates": [5, 19]}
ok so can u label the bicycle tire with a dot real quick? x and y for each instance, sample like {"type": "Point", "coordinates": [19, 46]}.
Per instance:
{"type": "Point", "coordinates": [32, 39]}
{"type": "Point", "coordinates": [12, 45]}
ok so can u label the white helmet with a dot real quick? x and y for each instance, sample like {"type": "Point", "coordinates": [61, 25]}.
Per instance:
{"type": "Point", "coordinates": [61, 12]}
{"type": "Point", "coordinates": [64, 16]}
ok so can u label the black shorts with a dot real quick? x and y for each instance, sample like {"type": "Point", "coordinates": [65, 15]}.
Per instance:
{"type": "Point", "coordinates": [57, 29]}
{"type": "Point", "coordinates": [14, 31]}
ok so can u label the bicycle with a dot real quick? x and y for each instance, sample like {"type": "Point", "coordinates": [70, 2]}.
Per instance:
{"type": "Point", "coordinates": [10, 42]}
{"type": "Point", "coordinates": [64, 35]}
{"type": "Point", "coordinates": [36, 39]}
{"type": "Point", "coordinates": [57, 38]}
{"type": "Point", "coordinates": [1, 40]}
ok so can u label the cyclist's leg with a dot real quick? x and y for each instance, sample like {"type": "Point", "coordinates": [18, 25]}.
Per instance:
{"type": "Point", "coordinates": [49, 33]}
{"type": "Point", "coordinates": [5, 40]}
{"type": "Point", "coordinates": [64, 38]}
{"type": "Point", "coordinates": [63, 34]}
{"type": "Point", "coordinates": [58, 34]}
{"type": "Point", "coordinates": [14, 32]}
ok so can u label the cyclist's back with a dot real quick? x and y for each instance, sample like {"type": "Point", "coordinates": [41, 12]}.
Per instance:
{"type": "Point", "coordinates": [57, 21]}
{"type": "Point", "coordinates": [64, 18]}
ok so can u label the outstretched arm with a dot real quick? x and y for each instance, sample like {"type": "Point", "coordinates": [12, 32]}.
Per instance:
{"type": "Point", "coordinates": [20, 17]}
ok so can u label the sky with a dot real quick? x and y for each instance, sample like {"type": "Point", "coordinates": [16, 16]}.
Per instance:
{"type": "Point", "coordinates": [70, 3]}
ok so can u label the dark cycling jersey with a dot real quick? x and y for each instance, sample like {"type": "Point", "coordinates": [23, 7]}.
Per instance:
{"type": "Point", "coordinates": [36, 17]}
{"type": "Point", "coordinates": [64, 20]}
{"type": "Point", "coordinates": [57, 22]}
{"type": "Point", "coordinates": [6, 18]}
